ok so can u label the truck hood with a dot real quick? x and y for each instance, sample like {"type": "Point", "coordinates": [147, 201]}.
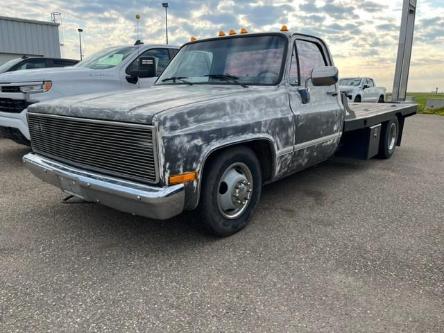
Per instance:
{"type": "Point", "coordinates": [139, 106]}
{"type": "Point", "coordinates": [50, 74]}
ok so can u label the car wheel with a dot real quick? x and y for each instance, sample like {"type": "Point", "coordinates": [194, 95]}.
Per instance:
{"type": "Point", "coordinates": [14, 135]}
{"type": "Point", "coordinates": [389, 138]}
{"type": "Point", "coordinates": [357, 99]}
{"type": "Point", "coordinates": [231, 189]}
{"type": "Point", "coordinates": [381, 99]}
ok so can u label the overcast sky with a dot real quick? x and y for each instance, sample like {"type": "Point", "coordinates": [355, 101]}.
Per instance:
{"type": "Point", "coordinates": [362, 35]}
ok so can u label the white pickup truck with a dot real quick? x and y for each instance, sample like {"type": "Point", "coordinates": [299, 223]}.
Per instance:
{"type": "Point", "coordinates": [112, 69]}
{"type": "Point", "coordinates": [362, 89]}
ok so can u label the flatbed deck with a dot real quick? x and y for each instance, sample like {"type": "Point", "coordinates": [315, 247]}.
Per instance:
{"type": "Point", "coordinates": [363, 115]}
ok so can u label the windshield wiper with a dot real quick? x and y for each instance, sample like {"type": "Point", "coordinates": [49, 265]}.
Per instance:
{"type": "Point", "coordinates": [178, 78]}
{"type": "Point", "coordinates": [227, 77]}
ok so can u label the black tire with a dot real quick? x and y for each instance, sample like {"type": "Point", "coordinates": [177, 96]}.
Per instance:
{"type": "Point", "coordinates": [357, 99]}
{"type": "Point", "coordinates": [389, 138]}
{"type": "Point", "coordinates": [21, 140]}
{"type": "Point", "coordinates": [381, 99]}
{"type": "Point", "coordinates": [14, 135]}
{"type": "Point", "coordinates": [211, 216]}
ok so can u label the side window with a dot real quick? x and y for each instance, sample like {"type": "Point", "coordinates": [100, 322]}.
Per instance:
{"type": "Point", "coordinates": [310, 56]}
{"type": "Point", "coordinates": [162, 56]}
{"type": "Point", "coordinates": [173, 53]}
{"type": "Point", "coordinates": [371, 84]}
{"type": "Point", "coordinates": [33, 63]}
{"type": "Point", "coordinates": [61, 63]}
{"type": "Point", "coordinates": [293, 75]}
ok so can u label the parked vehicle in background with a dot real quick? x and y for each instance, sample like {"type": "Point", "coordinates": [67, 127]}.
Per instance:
{"type": "Point", "coordinates": [228, 115]}
{"type": "Point", "coordinates": [35, 63]}
{"type": "Point", "coordinates": [362, 89]}
{"type": "Point", "coordinates": [111, 69]}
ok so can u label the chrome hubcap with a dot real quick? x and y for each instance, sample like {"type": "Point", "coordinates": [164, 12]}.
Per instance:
{"type": "Point", "coordinates": [393, 135]}
{"type": "Point", "coordinates": [235, 190]}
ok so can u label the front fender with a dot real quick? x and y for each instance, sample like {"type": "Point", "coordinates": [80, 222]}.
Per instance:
{"type": "Point", "coordinates": [188, 135]}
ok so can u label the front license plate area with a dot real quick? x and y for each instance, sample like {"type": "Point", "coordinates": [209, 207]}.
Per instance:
{"type": "Point", "coordinates": [71, 187]}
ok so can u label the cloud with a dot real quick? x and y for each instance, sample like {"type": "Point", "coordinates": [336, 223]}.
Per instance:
{"type": "Point", "coordinates": [362, 34]}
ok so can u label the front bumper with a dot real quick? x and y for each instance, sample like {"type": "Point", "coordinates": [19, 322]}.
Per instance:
{"type": "Point", "coordinates": [17, 121]}
{"type": "Point", "coordinates": [139, 199]}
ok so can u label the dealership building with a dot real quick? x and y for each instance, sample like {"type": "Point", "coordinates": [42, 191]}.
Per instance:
{"type": "Point", "coordinates": [21, 37]}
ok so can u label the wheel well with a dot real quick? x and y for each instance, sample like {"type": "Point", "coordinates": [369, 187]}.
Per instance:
{"type": "Point", "coordinates": [261, 147]}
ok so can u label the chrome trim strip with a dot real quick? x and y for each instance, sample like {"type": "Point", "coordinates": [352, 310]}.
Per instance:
{"type": "Point", "coordinates": [307, 144]}
{"type": "Point", "coordinates": [89, 120]}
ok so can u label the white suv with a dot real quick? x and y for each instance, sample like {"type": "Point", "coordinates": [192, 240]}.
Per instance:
{"type": "Point", "coordinates": [362, 89]}
{"type": "Point", "coordinates": [112, 69]}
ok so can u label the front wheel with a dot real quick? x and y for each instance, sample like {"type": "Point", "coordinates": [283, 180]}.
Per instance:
{"type": "Point", "coordinates": [231, 189]}
{"type": "Point", "coordinates": [358, 99]}
{"type": "Point", "coordinates": [381, 99]}
{"type": "Point", "coordinates": [389, 138]}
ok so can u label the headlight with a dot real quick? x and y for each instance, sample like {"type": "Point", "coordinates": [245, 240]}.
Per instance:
{"type": "Point", "coordinates": [39, 87]}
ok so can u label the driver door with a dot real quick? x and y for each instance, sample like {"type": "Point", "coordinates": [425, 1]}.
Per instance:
{"type": "Point", "coordinates": [318, 121]}
{"type": "Point", "coordinates": [366, 91]}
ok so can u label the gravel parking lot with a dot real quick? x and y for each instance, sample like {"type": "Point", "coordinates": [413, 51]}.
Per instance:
{"type": "Point", "coordinates": [348, 246]}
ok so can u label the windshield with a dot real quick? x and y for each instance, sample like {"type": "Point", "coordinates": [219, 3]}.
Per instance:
{"type": "Point", "coordinates": [243, 60]}
{"type": "Point", "coordinates": [350, 82]}
{"type": "Point", "coordinates": [107, 58]}
{"type": "Point", "coordinates": [7, 65]}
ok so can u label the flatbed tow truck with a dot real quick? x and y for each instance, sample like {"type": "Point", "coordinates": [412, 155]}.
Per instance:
{"type": "Point", "coordinates": [228, 115]}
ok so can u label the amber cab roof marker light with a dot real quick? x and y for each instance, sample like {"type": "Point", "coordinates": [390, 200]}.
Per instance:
{"type": "Point", "coordinates": [284, 28]}
{"type": "Point", "coordinates": [221, 34]}
{"type": "Point", "coordinates": [193, 39]}
{"type": "Point", "coordinates": [243, 31]}
{"type": "Point", "coordinates": [232, 32]}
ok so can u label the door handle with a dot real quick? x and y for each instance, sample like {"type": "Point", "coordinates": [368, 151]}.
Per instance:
{"type": "Point", "coordinates": [305, 95]}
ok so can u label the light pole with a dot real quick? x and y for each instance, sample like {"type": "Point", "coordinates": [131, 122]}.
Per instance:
{"type": "Point", "coordinates": [165, 5]}
{"type": "Point", "coordinates": [80, 40]}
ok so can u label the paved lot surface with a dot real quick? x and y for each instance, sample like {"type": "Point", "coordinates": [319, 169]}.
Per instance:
{"type": "Point", "coordinates": [348, 246]}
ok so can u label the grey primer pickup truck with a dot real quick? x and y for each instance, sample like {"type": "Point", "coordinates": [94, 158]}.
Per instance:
{"type": "Point", "coordinates": [228, 115]}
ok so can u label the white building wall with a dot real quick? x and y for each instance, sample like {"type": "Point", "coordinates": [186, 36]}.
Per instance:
{"type": "Point", "coordinates": [27, 37]}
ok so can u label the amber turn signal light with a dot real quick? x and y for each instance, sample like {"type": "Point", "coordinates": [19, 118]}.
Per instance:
{"type": "Point", "coordinates": [284, 28]}
{"type": "Point", "coordinates": [47, 85]}
{"type": "Point", "coordinates": [183, 178]}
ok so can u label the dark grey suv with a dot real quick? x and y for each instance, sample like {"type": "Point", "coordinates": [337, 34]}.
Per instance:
{"type": "Point", "coordinates": [35, 62]}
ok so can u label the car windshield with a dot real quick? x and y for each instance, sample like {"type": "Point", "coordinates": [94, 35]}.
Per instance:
{"type": "Point", "coordinates": [7, 65]}
{"type": "Point", "coordinates": [350, 82]}
{"type": "Point", "coordinates": [107, 58]}
{"type": "Point", "coordinates": [241, 60]}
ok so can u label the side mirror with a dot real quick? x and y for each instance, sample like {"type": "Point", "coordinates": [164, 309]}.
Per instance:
{"type": "Point", "coordinates": [132, 79]}
{"type": "Point", "coordinates": [147, 67]}
{"type": "Point", "coordinates": [365, 86]}
{"type": "Point", "coordinates": [324, 76]}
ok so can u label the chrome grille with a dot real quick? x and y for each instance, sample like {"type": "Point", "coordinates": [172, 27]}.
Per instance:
{"type": "Point", "coordinates": [119, 149]}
